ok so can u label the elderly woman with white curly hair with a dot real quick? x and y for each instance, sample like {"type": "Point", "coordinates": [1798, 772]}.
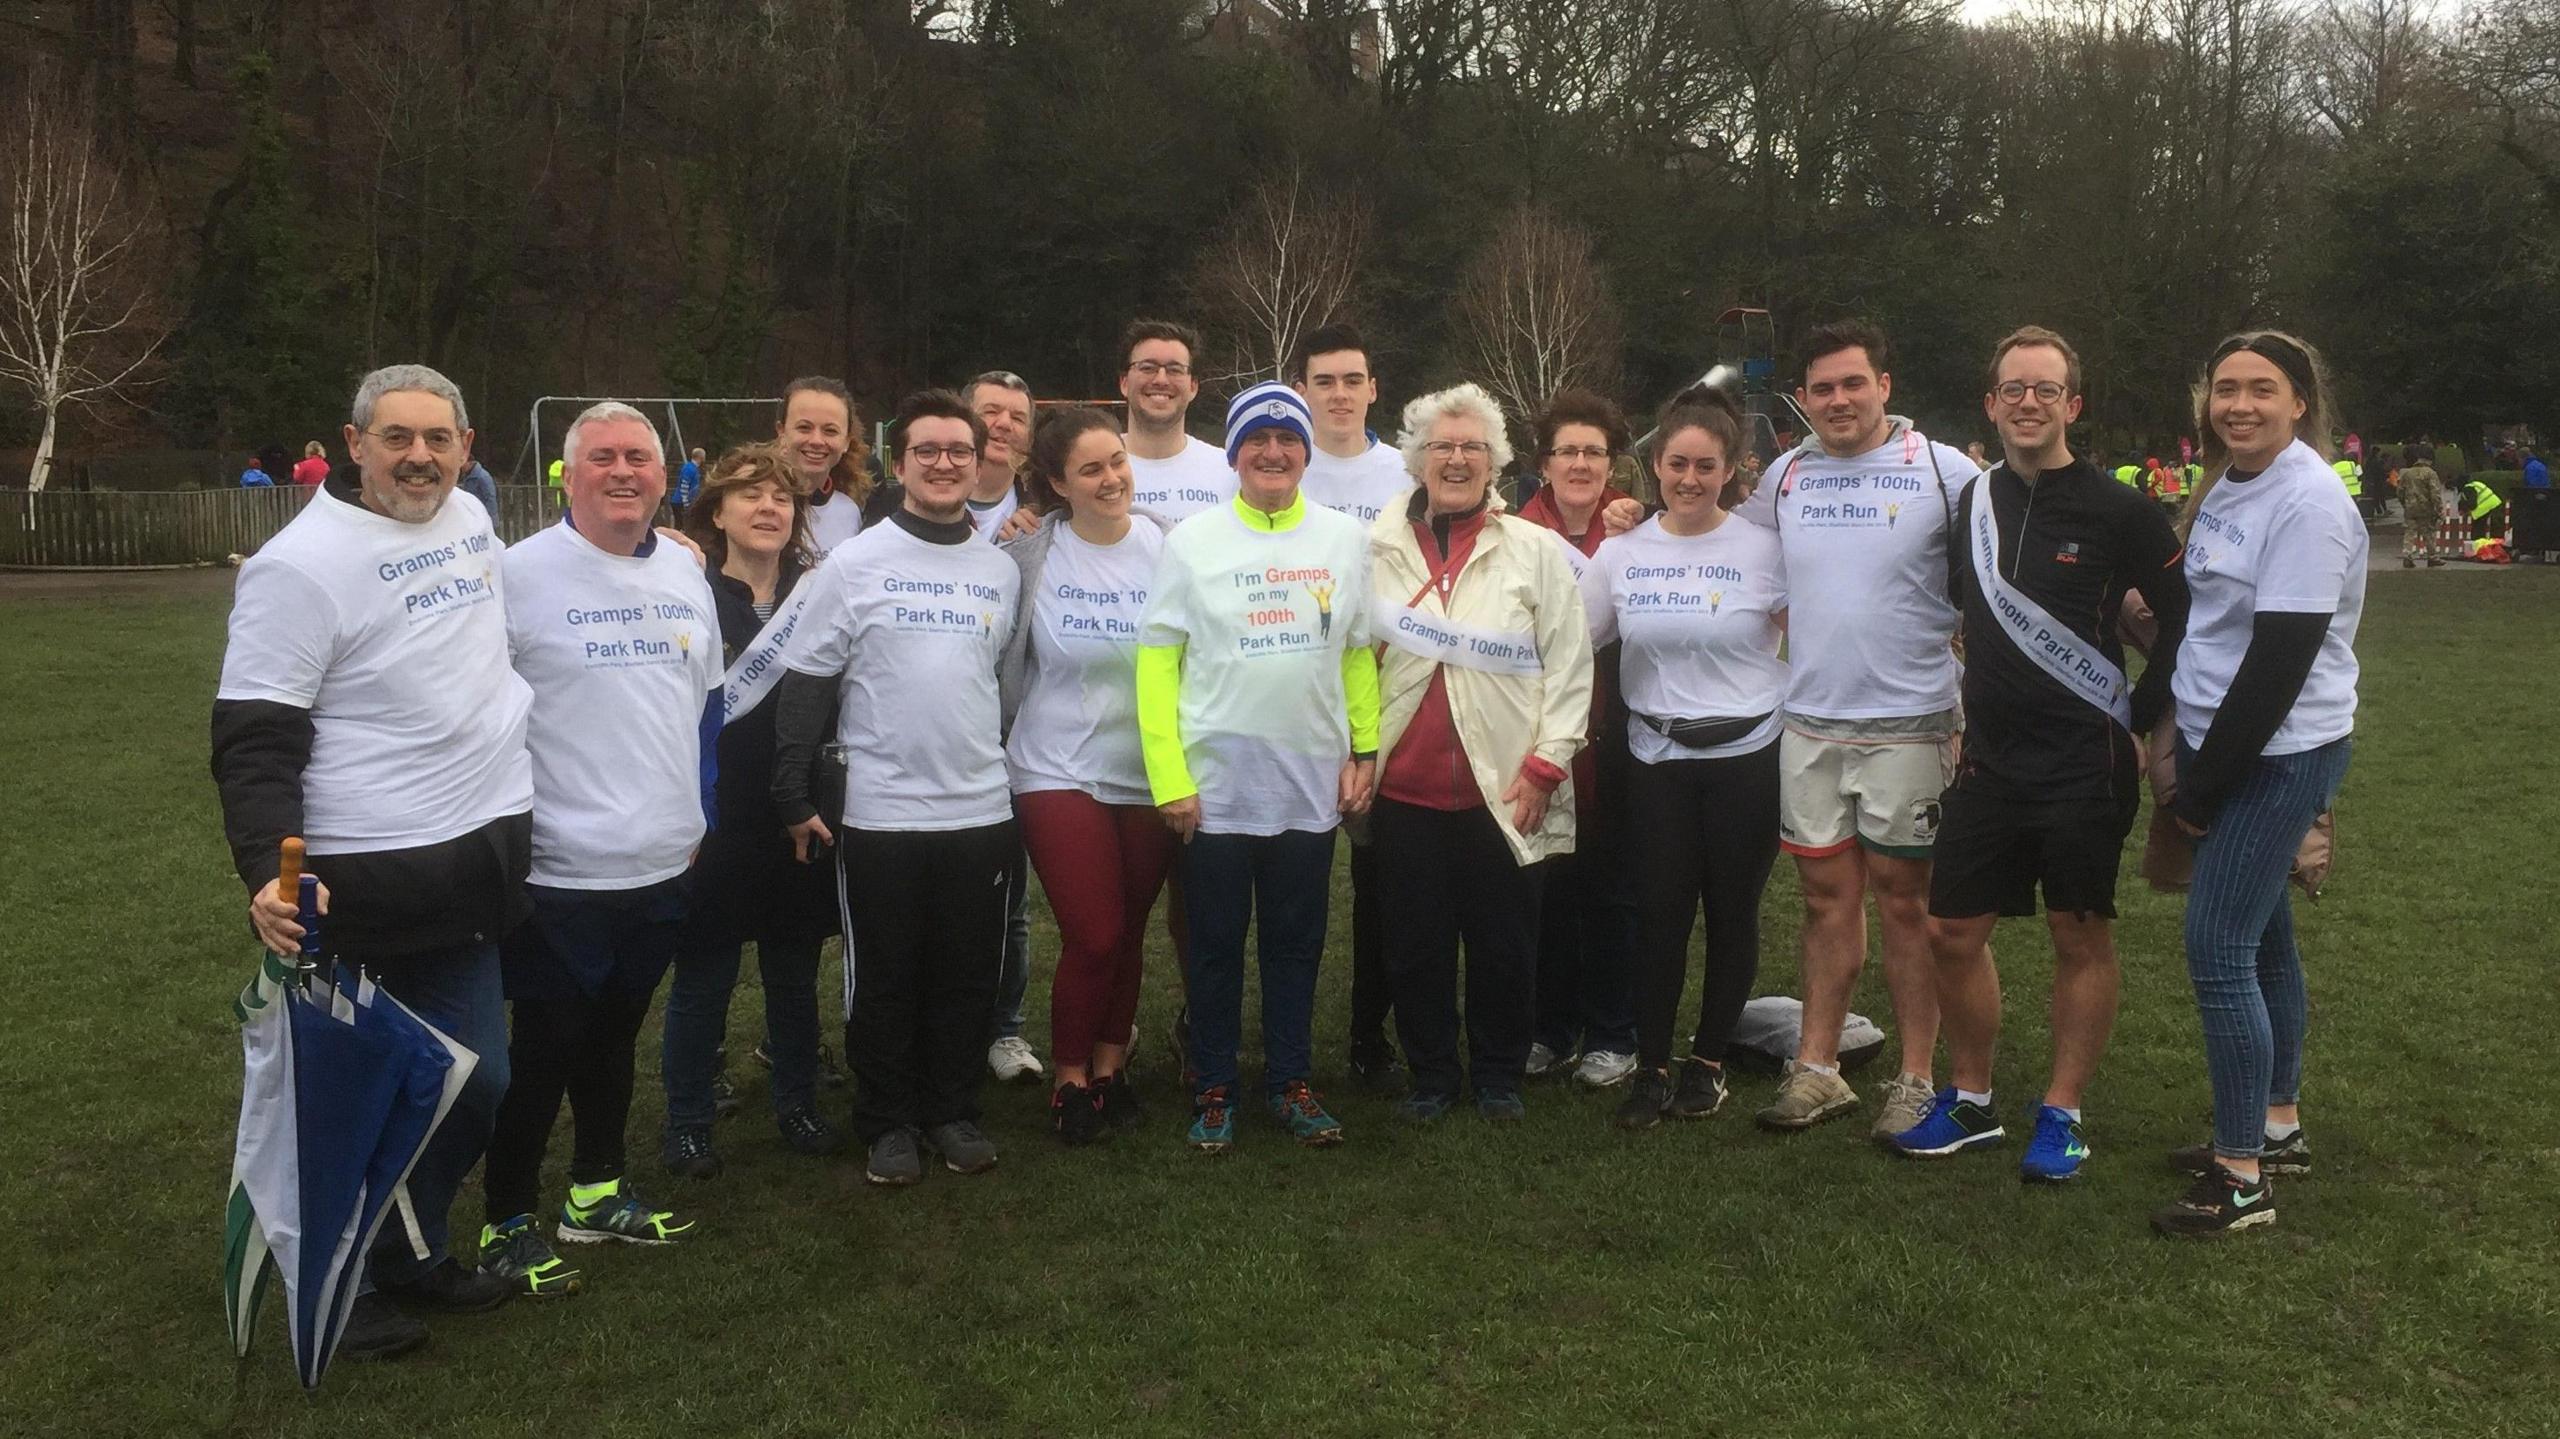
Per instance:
{"type": "Point", "coordinates": [1485, 695]}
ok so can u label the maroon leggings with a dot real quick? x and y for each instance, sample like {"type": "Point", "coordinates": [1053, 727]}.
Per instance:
{"type": "Point", "coordinates": [1101, 866]}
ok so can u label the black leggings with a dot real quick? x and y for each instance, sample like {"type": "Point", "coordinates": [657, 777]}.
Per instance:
{"type": "Point", "coordinates": [578, 1047]}
{"type": "Point", "coordinates": [1699, 831]}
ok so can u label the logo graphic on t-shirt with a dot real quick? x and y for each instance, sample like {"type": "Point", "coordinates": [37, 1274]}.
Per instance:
{"type": "Point", "coordinates": [1892, 513]}
{"type": "Point", "coordinates": [1323, 595]}
{"type": "Point", "coordinates": [1272, 621]}
{"type": "Point", "coordinates": [619, 636]}
{"type": "Point", "coordinates": [934, 606]}
{"type": "Point", "coordinates": [1851, 507]}
{"type": "Point", "coordinates": [435, 589]}
{"type": "Point", "coordinates": [1715, 601]}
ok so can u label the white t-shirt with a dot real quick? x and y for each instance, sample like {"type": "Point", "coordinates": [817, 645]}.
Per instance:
{"type": "Point", "coordinates": [1264, 618]}
{"type": "Point", "coordinates": [1698, 618]}
{"type": "Point", "coordinates": [394, 636]}
{"type": "Point", "coordinates": [622, 651]}
{"type": "Point", "coordinates": [990, 517]}
{"type": "Point", "coordinates": [1866, 553]}
{"type": "Point", "coordinates": [1078, 726]}
{"type": "Point", "coordinates": [1199, 478]}
{"type": "Point", "coordinates": [833, 521]}
{"type": "Point", "coordinates": [2288, 542]}
{"type": "Point", "coordinates": [1361, 487]}
{"type": "Point", "coordinates": [915, 629]}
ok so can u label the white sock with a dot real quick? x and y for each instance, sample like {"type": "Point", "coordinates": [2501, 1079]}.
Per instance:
{"type": "Point", "coordinates": [2282, 1132]}
{"type": "Point", "coordinates": [2072, 1114]}
{"type": "Point", "coordinates": [1830, 1069]}
{"type": "Point", "coordinates": [1967, 1096]}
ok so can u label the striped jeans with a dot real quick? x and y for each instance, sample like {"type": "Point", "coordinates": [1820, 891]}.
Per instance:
{"type": "Point", "coordinates": [2240, 948]}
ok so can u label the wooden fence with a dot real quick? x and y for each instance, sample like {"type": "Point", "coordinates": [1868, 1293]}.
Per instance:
{"type": "Point", "coordinates": [170, 529]}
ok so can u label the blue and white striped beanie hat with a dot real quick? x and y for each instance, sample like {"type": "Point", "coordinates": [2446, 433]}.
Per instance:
{"type": "Point", "coordinates": [1265, 406]}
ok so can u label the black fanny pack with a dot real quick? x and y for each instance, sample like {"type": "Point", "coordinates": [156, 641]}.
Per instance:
{"type": "Point", "coordinates": [1706, 733]}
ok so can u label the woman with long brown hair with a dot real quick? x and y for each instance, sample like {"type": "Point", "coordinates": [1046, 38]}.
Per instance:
{"type": "Point", "coordinates": [752, 521]}
{"type": "Point", "coordinates": [821, 433]}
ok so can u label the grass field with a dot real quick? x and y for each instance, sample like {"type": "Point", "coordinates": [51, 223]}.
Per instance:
{"type": "Point", "coordinates": [1551, 1278]}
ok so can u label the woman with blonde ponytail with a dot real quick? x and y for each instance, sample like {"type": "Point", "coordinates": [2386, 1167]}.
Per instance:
{"type": "Point", "coordinates": [2266, 695]}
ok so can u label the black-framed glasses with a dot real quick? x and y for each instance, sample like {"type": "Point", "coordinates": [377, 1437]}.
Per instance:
{"type": "Point", "coordinates": [1159, 369]}
{"type": "Point", "coordinates": [2045, 391]}
{"type": "Point", "coordinates": [944, 454]}
{"type": "Point", "coordinates": [1579, 452]}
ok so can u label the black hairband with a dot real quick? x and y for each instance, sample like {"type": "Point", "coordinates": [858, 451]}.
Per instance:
{"type": "Point", "coordinates": [2284, 354]}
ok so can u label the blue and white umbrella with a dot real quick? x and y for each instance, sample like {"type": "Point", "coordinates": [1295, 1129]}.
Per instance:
{"type": "Point", "coordinates": [342, 1088]}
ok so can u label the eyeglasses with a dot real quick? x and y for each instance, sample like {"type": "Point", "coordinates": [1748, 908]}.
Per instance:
{"type": "Point", "coordinates": [399, 441]}
{"type": "Point", "coordinates": [1578, 452]}
{"type": "Point", "coordinates": [2012, 391]}
{"type": "Point", "coordinates": [944, 454]}
{"type": "Point", "coordinates": [1443, 449]}
{"type": "Point", "coordinates": [1157, 369]}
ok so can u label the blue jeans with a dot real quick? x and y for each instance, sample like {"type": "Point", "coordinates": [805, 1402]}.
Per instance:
{"type": "Point", "coordinates": [1227, 878]}
{"type": "Point", "coordinates": [1015, 979]}
{"type": "Point", "coordinates": [698, 1021]}
{"type": "Point", "coordinates": [2240, 950]}
{"type": "Point", "coordinates": [460, 992]}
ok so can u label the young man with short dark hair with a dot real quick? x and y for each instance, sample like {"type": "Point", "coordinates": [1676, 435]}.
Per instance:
{"type": "Point", "coordinates": [1177, 475]}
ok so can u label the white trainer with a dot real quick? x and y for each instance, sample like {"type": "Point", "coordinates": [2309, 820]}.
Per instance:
{"type": "Point", "coordinates": [1011, 1060]}
{"type": "Point", "coordinates": [1602, 1068]}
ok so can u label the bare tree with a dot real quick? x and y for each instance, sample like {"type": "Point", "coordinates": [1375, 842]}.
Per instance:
{"type": "Point", "coordinates": [1533, 312]}
{"type": "Point", "coordinates": [1287, 260]}
{"type": "Point", "coordinates": [79, 268]}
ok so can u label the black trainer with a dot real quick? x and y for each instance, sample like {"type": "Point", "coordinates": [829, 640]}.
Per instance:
{"type": "Point", "coordinates": [1118, 1101]}
{"type": "Point", "coordinates": [1648, 1094]}
{"type": "Point", "coordinates": [2217, 1204]}
{"type": "Point", "coordinates": [1701, 1091]}
{"type": "Point", "coordinates": [448, 1289]}
{"type": "Point", "coordinates": [807, 1132]}
{"type": "Point", "coordinates": [375, 1330]}
{"type": "Point", "coordinates": [2289, 1155]}
{"type": "Point", "coordinates": [687, 1152]}
{"type": "Point", "coordinates": [1076, 1114]}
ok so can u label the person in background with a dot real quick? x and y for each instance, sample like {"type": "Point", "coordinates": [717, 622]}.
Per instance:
{"type": "Point", "coordinates": [2480, 504]}
{"type": "Point", "coordinates": [751, 518]}
{"type": "Point", "coordinates": [821, 432]}
{"type": "Point", "coordinates": [688, 481]}
{"type": "Point", "coordinates": [313, 467]}
{"type": "Point", "coordinates": [254, 478]}
{"type": "Point", "coordinates": [2266, 694]}
{"type": "Point", "coordinates": [2537, 473]}
{"type": "Point", "coordinates": [1487, 671]}
{"type": "Point", "coordinates": [476, 483]}
{"type": "Point", "coordinates": [1587, 919]}
{"type": "Point", "coordinates": [2423, 531]}
{"type": "Point", "coordinates": [1178, 475]}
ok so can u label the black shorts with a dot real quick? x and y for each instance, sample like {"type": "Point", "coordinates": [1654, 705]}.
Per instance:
{"type": "Point", "coordinates": [1993, 852]}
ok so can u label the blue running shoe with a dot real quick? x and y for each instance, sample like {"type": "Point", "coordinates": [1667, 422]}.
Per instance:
{"type": "Point", "coordinates": [1950, 1125]}
{"type": "Point", "coordinates": [1423, 1106]}
{"type": "Point", "coordinates": [2054, 1156]}
{"type": "Point", "coordinates": [1298, 1107]}
{"type": "Point", "coordinates": [1213, 1122]}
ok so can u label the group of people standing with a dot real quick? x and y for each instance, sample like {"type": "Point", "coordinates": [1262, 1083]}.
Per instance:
{"type": "Point", "coordinates": [1560, 727]}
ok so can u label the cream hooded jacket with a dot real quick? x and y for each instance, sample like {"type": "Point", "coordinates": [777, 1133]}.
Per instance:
{"type": "Point", "coordinates": [1516, 581]}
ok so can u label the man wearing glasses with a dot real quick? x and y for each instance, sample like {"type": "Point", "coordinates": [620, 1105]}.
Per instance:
{"type": "Point", "coordinates": [2052, 765]}
{"type": "Point", "coordinates": [1177, 476]}
{"type": "Point", "coordinates": [901, 640]}
{"type": "Point", "coordinates": [368, 706]}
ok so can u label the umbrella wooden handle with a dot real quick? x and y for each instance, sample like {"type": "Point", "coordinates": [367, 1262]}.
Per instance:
{"type": "Point", "coordinates": [289, 868]}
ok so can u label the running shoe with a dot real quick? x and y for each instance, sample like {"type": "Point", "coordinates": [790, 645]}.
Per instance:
{"type": "Point", "coordinates": [1545, 1061]}
{"type": "Point", "coordinates": [1075, 1114]}
{"type": "Point", "coordinates": [1647, 1093]}
{"type": "Point", "coordinates": [1213, 1122]}
{"type": "Point", "coordinates": [1117, 1101]}
{"type": "Point", "coordinates": [1806, 1097]}
{"type": "Point", "coordinates": [516, 1252]}
{"type": "Point", "coordinates": [1602, 1068]}
{"type": "Point", "coordinates": [687, 1152]}
{"type": "Point", "coordinates": [1902, 1103]}
{"type": "Point", "coordinates": [1299, 1108]}
{"type": "Point", "coordinates": [807, 1132]}
{"type": "Point", "coordinates": [724, 1096]}
{"type": "Point", "coordinates": [1501, 1106]}
{"type": "Point", "coordinates": [2217, 1204]}
{"type": "Point", "coordinates": [1951, 1124]}
{"type": "Point", "coordinates": [2289, 1155]}
{"type": "Point", "coordinates": [448, 1288]}
{"type": "Point", "coordinates": [1700, 1092]}
{"type": "Point", "coordinates": [893, 1159]}
{"type": "Point", "coordinates": [1010, 1059]}
{"type": "Point", "coordinates": [2055, 1155]}
{"type": "Point", "coordinates": [618, 1213]}
{"type": "Point", "coordinates": [1423, 1106]}
{"type": "Point", "coordinates": [964, 1147]}
{"type": "Point", "coordinates": [376, 1330]}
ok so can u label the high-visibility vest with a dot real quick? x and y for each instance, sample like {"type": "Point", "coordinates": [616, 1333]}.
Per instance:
{"type": "Point", "coordinates": [2195, 474]}
{"type": "Point", "coordinates": [2352, 474]}
{"type": "Point", "coordinates": [554, 474]}
{"type": "Point", "coordinates": [2483, 498]}
{"type": "Point", "coordinates": [2130, 475]}
{"type": "Point", "coordinates": [2172, 484]}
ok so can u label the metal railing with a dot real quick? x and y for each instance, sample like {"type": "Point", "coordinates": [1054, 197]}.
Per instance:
{"type": "Point", "coordinates": [177, 529]}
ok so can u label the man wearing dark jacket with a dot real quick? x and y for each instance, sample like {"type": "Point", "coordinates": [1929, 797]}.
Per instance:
{"type": "Point", "coordinates": [2045, 550]}
{"type": "Point", "coordinates": [367, 705]}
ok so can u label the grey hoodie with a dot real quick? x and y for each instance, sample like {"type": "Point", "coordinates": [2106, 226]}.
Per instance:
{"type": "Point", "coordinates": [1031, 554]}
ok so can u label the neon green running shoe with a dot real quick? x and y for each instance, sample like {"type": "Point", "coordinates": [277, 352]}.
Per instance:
{"type": "Point", "coordinates": [598, 1212]}
{"type": "Point", "coordinates": [516, 1252]}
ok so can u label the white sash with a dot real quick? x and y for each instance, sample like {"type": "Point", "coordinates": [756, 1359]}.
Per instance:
{"type": "Point", "coordinates": [1437, 637]}
{"type": "Point", "coordinates": [759, 666]}
{"type": "Point", "coordinates": [2082, 669]}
